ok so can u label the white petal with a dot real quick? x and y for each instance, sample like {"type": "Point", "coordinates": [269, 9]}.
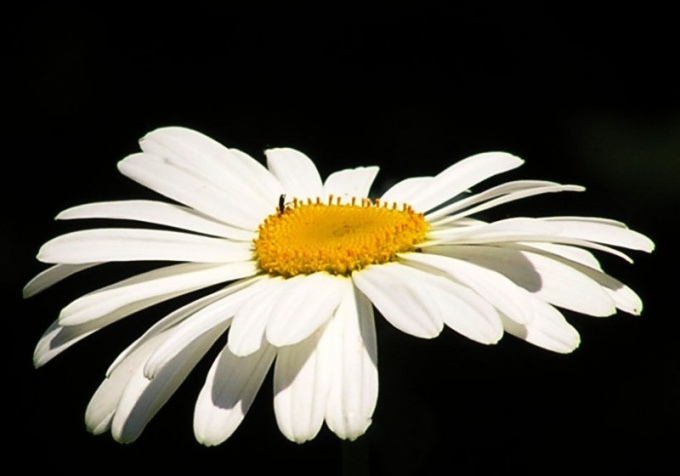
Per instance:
{"type": "Point", "coordinates": [247, 332]}
{"type": "Point", "coordinates": [402, 192]}
{"type": "Point", "coordinates": [570, 253]}
{"type": "Point", "coordinates": [565, 286]}
{"type": "Point", "coordinates": [142, 398]}
{"type": "Point", "coordinates": [228, 392]}
{"type": "Point", "coordinates": [138, 292]}
{"type": "Point", "coordinates": [260, 177]}
{"type": "Point", "coordinates": [301, 384]}
{"type": "Point", "coordinates": [296, 172]}
{"type": "Point", "coordinates": [461, 176]}
{"type": "Point", "coordinates": [548, 329]}
{"type": "Point", "coordinates": [179, 315]}
{"type": "Point", "coordinates": [187, 186]}
{"type": "Point", "coordinates": [306, 304]}
{"type": "Point", "coordinates": [229, 168]}
{"type": "Point", "coordinates": [510, 197]}
{"type": "Point", "coordinates": [498, 290]}
{"type": "Point", "coordinates": [52, 276]}
{"type": "Point", "coordinates": [402, 297]}
{"type": "Point", "coordinates": [350, 183]}
{"type": "Point", "coordinates": [548, 279]}
{"type": "Point", "coordinates": [215, 314]}
{"type": "Point", "coordinates": [57, 339]}
{"type": "Point", "coordinates": [464, 311]}
{"type": "Point", "coordinates": [511, 230]}
{"type": "Point", "coordinates": [354, 387]}
{"type": "Point", "coordinates": [494, 192]}
{"type": "Point", "coordinates": [159, 213]}
{"type": "Point", "coordinates": [624, 298]}
{"type": "Point", "coordinates": [133, 244]}
{"type": "Point", "coordinates": [104, 402]}
{"type": "Point", "coordinates": [65, 335]}
{"type": "Point", "coordinates": [607, 232]}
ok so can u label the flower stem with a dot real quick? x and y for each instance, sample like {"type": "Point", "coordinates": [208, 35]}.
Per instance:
{"type": "Point", "coordinates": [355, 461]}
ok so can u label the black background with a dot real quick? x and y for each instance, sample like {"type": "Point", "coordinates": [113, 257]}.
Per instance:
{"type": "Point", "coordinates": [584, 97]}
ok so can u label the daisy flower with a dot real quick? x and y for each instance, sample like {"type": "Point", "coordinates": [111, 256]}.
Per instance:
{"type": "Point", "coordinates": [296, 267]}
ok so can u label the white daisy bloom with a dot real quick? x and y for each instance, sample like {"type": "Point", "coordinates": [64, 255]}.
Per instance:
{"type": "Point", "coordinates": [303, 263]}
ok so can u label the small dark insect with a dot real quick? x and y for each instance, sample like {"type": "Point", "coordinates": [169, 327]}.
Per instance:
{"type": "Point", "coordinates": [282, 203]}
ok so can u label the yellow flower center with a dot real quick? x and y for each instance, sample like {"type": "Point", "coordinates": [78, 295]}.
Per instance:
{"type": "Point", "coordinates": [308, 237]}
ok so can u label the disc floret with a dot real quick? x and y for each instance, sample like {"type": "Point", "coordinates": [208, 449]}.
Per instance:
{"type": "Point", "coordinates": [312, 236]}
